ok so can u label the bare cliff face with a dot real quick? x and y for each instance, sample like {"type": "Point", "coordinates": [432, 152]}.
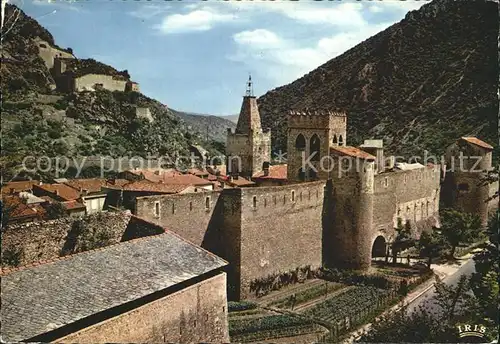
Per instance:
{"type": "Point", "coordinates": [419, 85]}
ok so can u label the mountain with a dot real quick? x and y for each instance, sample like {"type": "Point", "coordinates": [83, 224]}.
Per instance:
{"type": "Point", "coordinates": [41, 118]}
{"type": "Point", "coordinates": [232, 118]}
{"type": "Point", "coordinates": [211, 127]}
{"type": "Point", "coordinates": [420, 84]}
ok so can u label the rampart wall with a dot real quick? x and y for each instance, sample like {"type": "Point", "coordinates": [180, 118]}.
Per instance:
{"type": "Point", "coordinates": [411, 195]}
{"type": "Point", "coordinates": [281, 229]}
{"type": "Point", "coordinates": [88, 82]}
{"type": "Point", "coordinates": [49, 53]}
{"type": "Point", "coordinates": [27, 243]}
{"type": "Point", "coordinates": [189, 215]}
{"type": "Point", "coordinates": [194, 314]}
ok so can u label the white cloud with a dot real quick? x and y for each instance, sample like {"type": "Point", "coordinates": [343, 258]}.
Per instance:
{"type": "Point", "coordinates": [283, 61]}
{"type": "Point", "coordinates": [149, 11]}
{"type": "Point", "coordinates": [197, 20]}
{"type": "Point", "coordinates": [375, 8]}
{"type": "Point", "coordinates": [258, 39]}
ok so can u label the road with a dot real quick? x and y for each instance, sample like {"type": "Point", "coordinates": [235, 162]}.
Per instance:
{"type": "Point", "coordinates": [428, 298]}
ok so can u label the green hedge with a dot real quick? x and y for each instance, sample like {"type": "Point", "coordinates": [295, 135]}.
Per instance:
{"type": "Point", "coordinates": [234, 306]}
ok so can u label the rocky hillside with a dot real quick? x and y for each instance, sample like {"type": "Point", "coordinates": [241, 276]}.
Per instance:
{"type": "Point", "coordinates": [37, 120]}
{"type": "Point", "coordinates": [212, 127]}
{"type": "Point", "coordinates": [419, 84]}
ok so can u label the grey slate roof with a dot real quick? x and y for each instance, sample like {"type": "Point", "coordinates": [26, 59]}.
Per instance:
{"type": "Point", "coordinates": [38, 299]}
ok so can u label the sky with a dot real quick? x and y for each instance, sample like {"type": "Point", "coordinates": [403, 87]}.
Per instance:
{"type": "Point", "coordinates": [196, 56]}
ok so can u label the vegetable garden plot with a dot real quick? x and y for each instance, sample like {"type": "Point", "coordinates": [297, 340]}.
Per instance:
{"type": "Point", "coordinates": [350, 303]}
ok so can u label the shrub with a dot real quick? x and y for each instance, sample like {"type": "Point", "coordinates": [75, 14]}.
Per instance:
{"type": "Point", "coordinates": [234, 306]}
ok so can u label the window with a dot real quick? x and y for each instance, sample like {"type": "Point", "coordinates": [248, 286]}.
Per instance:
{"type": "Point", "coordinates": [341, 141]}
{"type": "Point", "coordinates": [464, 187]}
{"type": "Point", "coordinates": [190, 206]}
{"type": "Point", "coordinates": [265, 202]}
{"type": "Point", "coordinates": [157, 209]}
{"type": "Point", "coordinates": [302, 175]}
{"type": "Point", "coordinates": [207, 203]}
{"type": "Point", "coordinates": [309, 195]}
{"type": "Point", "coordinates": [300, 196]}
{"type": "Point", "coordinates": [284, 199]}
{"type": "Point", "coordinates": [274, 199]}
{"type": "Point", "coordinates": [405, 178]}
{"type": "Point", "coordinates": [335, 141]}
{"type": "Point", "coordinates": [255, 201]}
{"type": "Point", "coordinates": [300, 142]}
{"type": "Point", "coordinates": [293, 196]}
{"type": "Point", "coordinates": [386, 182]}
{"type": "Point", "coordinates": [315, 145]}
{"type": "Point", "coordinates": [173, 208]}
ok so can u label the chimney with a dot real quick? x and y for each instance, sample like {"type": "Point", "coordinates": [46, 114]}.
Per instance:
{"type": "Point", "coordinates": [265, 168]}
{"type": "Point", "coordinates": [157, 172]}
{"type": "Point", "coordinates": [85, 192]}
{"type": "Point", "coordinates": [57, 192]}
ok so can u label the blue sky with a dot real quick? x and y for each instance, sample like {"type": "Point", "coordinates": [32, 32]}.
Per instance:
{"type": "Point", "coordinates": [196, 55]}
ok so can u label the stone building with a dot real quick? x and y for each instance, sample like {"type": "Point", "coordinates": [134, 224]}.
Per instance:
{"type": "Point", "coordinates": [159, 288]}
{"type": "Point", "coordinates": [249, 147]}
{"type": "Point", "coordinates": [469, 160]}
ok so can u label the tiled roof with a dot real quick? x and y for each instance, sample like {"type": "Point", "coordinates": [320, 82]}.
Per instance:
{"type": "Point", "coordinates": [477, 142]}
{"type": "Point", "coordinates": [236, 182]}
{"type": "Point", "coordinates": [91, 185]}
{"type": "Point", "coordinates": [70, 205]}
{"type": "Point", "coordinates": [275, 172]}
{"type": "Point", "coordinates": [62, 191]}
{"type": "Point", "coordinates": [198, 172]}
{"type": "Point", "coordinates": [148, 186]}
{"type": "Point", "coordinates": [19, 186]}
{"type": "Point", "coordinates": [45, 297]}
{"type": "Point", "coordinates": [185, 179]}
{"type": "Point", "coordinates": [94, 185]}
{"type": "Point", "coordinates": [18, 209]}
{"type": "Point", "coordinates": [351, 151]}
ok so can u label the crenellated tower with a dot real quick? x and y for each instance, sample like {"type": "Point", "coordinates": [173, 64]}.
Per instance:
{"type": "Point", "coordinates": [310, 136]}
{"type": "Point", "coordinates": [249, 147]}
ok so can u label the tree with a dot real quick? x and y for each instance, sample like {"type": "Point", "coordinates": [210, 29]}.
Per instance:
{"type": "Point", "coordinates": [432, 324]}
{"type": "Point", "coordinates": [432, 245]}
{"type": "Point", "coordinates": [56, 211]}
{"type": "Point", "coordinates": [484, 281]}
{"type": "Point", "coordinates": [402, 241]}
{"type": "Point", "coordinates": [458, 228]}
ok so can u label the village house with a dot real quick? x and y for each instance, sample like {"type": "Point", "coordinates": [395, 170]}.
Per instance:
{"type": "Point", "coordinates": [160, 288]}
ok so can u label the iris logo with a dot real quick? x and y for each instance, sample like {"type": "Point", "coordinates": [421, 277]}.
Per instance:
{"type": "Point", "coordinates": [469, 331]}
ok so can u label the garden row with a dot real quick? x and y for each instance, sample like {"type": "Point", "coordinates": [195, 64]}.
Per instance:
{"type": "Point", "coordinates": [306, 295]}
{"type": "Point", "coordinates": [269, 327]}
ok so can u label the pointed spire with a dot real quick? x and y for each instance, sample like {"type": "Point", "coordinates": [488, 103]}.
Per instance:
{"type": "Point", "coordinates": [249, 118]}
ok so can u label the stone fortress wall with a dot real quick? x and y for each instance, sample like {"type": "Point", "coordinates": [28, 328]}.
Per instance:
{"type": "Point", "coordinates": [259, 230]}
{"type": "Point", "coordinates": [194, 314]}
{"type": "Point", "coordinates": [49, 53]}
{"type": "Point", "coordinates": [36, 241]}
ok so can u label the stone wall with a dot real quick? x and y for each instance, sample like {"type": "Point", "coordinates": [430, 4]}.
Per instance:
{"type": "Point", "coordinates": [49, 53]}
{"type": "Point", "coordinates": [27, 243]}
{"type": "Point", "coordinates": [259, 230]}
{"type": "Point", "coordinates": [88, 82]}
{"type": "Point", "coordinates": [281, 229]}
{"type": "Point", "coordinates": [196, 314]}
{"type": "Point", "coordinates": [410, 195]}
{"type": "Point", "coordinates": [189, 215]}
